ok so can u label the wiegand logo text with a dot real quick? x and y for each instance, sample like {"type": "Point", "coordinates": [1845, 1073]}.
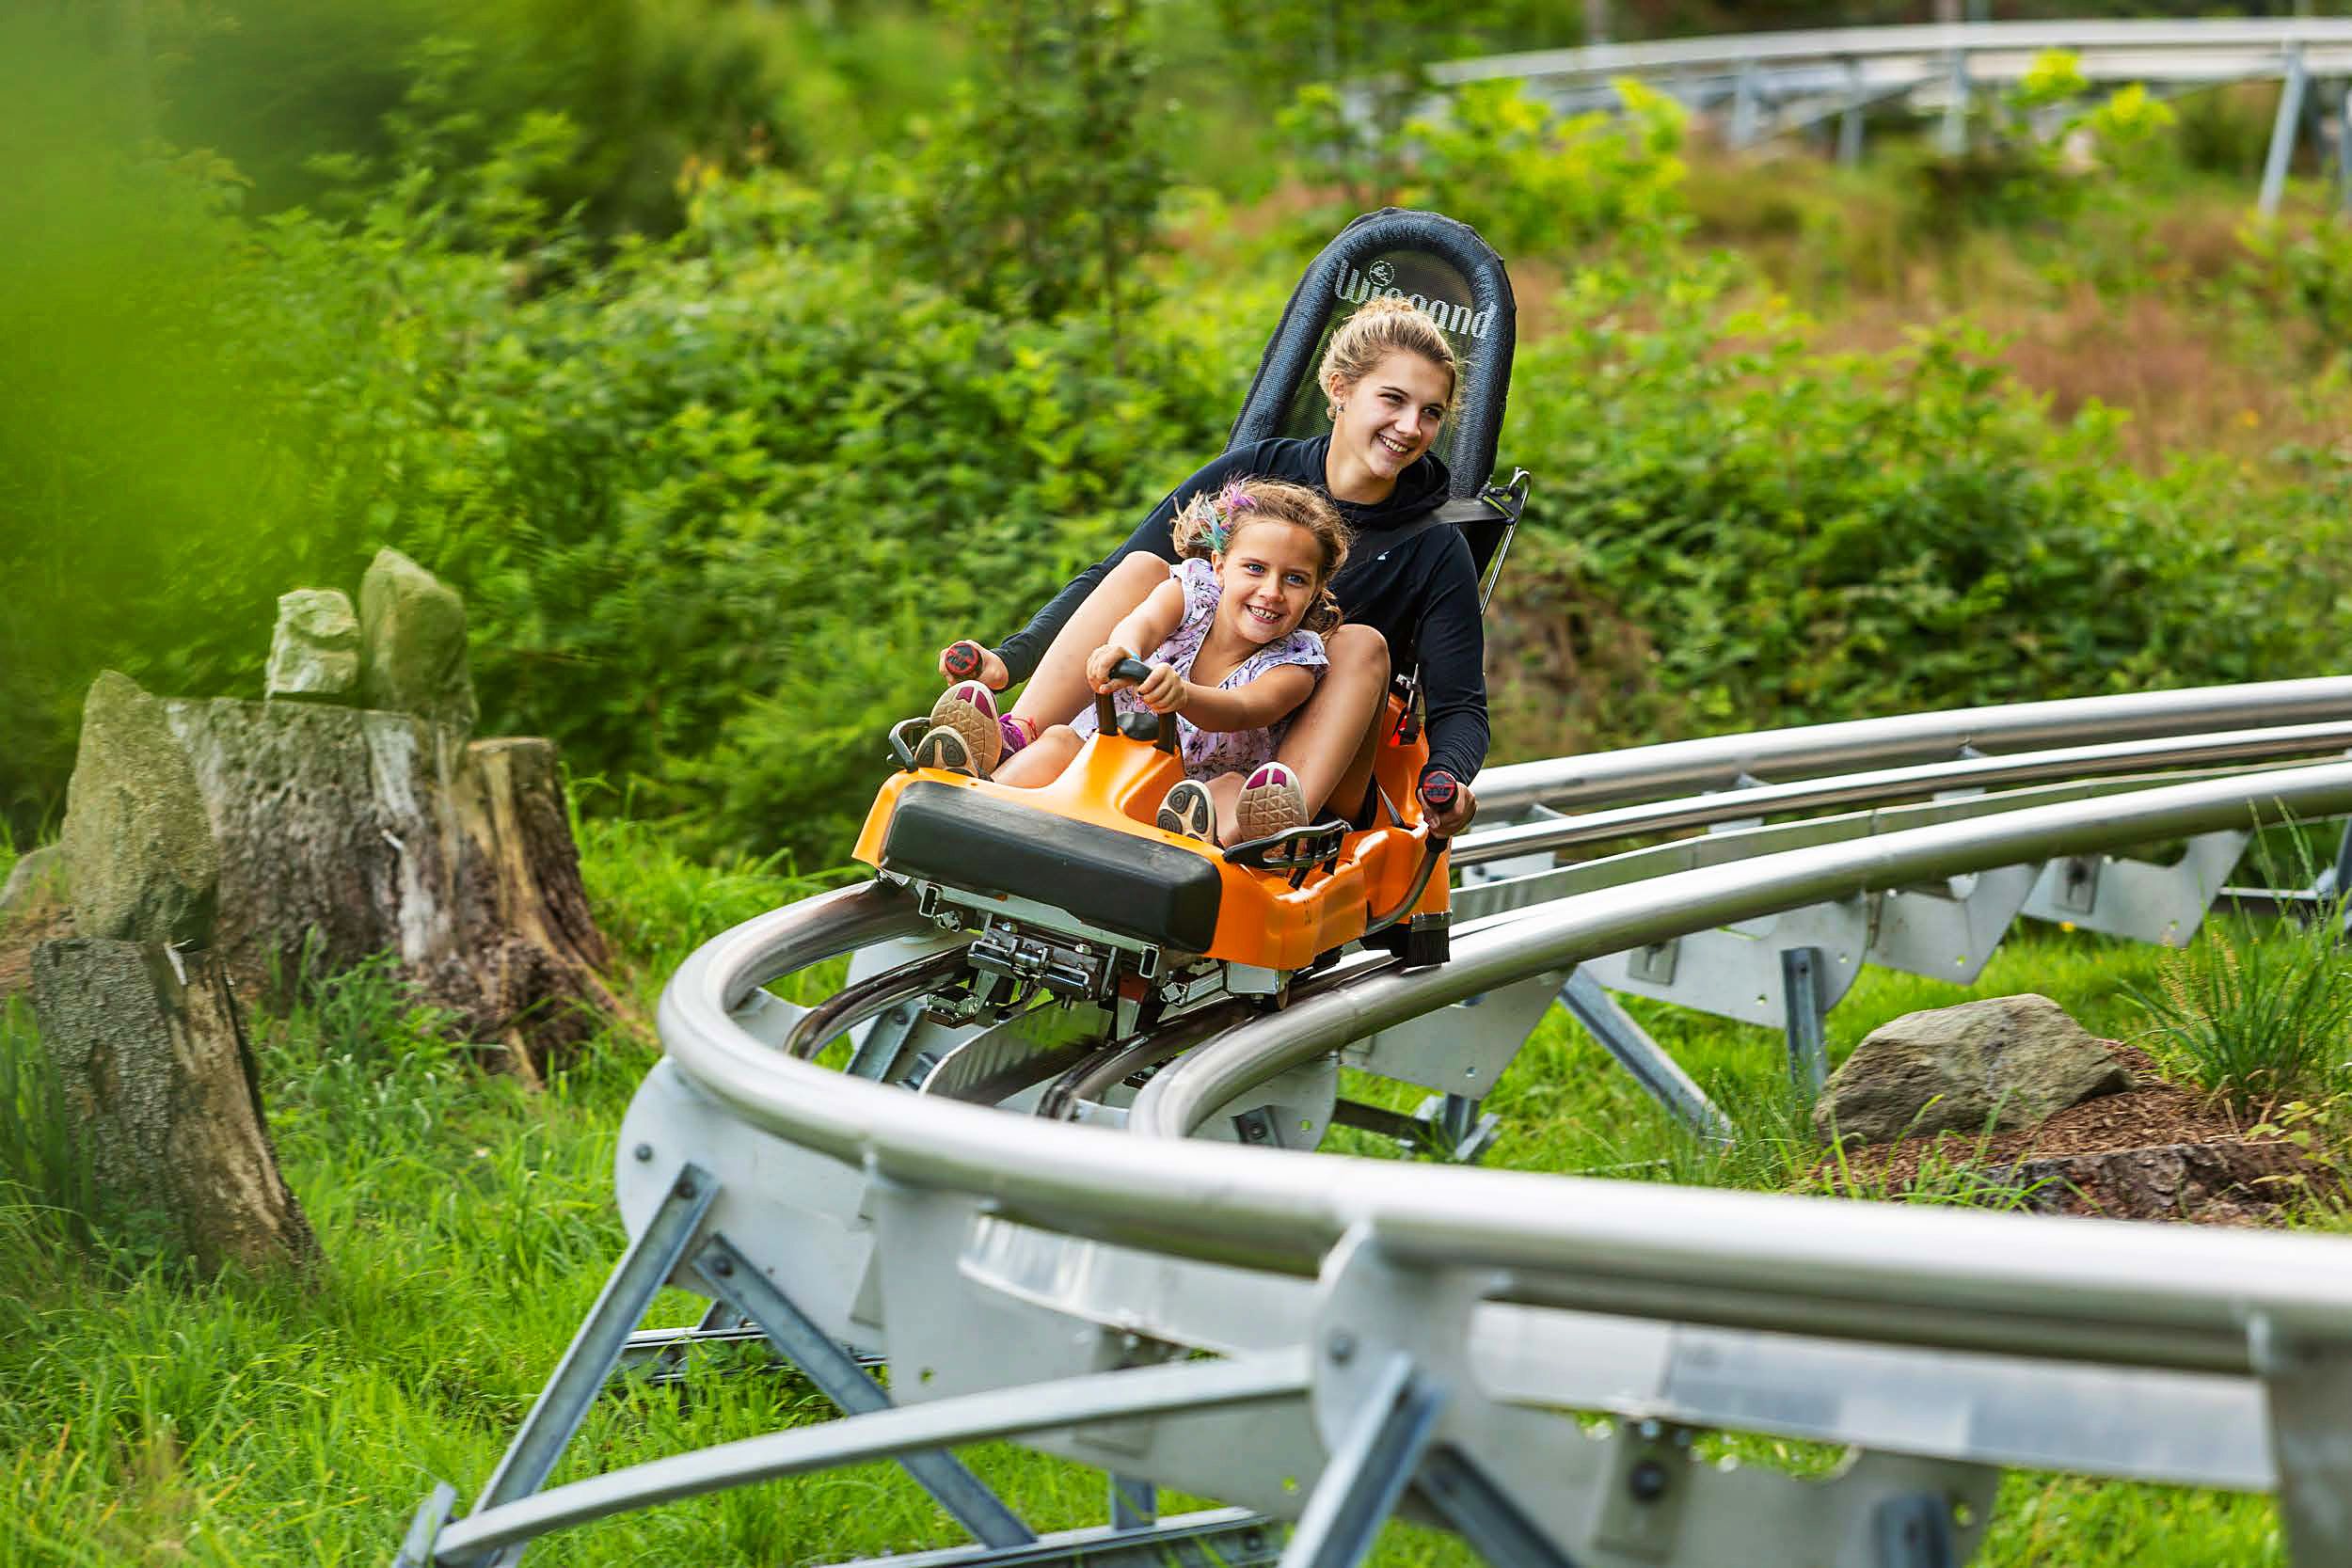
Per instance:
{"type": "Point", "coordinates": [1354, 288]}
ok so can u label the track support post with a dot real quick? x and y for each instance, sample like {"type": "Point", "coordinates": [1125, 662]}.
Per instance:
{"type": "Point", "coordinates": [1801, 995]}
{"type": "Point", "coordinates": [2282, 131]}
{"type": "Point", "coordinates": [1661, 1076]}
{"type": "Point", "coordinates": [740, 1283]}
{"type": "Point", "coordinates": [1368, 1473]}
{"type": "Point", "coordinates": [652, 1257]}
{"type": "Point", "coordinates": [2308, 1386]}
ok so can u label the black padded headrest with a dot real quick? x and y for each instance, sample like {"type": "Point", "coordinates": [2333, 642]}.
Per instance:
{"type": "Point", "coordinates": [1446, 270]}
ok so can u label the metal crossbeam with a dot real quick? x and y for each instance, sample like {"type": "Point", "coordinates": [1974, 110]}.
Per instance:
{"type": "Point", "coordinates": [739, 1282]}
{"type": "Point", "coordinates": [885, 1435]}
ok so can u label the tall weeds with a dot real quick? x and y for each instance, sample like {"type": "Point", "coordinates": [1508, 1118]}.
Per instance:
{"type": "Point", "coordinates": [45, 1177]}
{"type": "Point", "coordinates": [2254, 1017]}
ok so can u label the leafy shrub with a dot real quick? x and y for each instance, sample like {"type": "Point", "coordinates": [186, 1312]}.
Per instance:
{"type": "Point", "coordinates": [1539, 180]}
{"type": "Point", "coordinates": [1797, 537]}
{"type": "Point", "coordinates": [2257, 1017]}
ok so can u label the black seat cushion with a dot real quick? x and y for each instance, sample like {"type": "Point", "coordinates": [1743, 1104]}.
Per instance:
{"type": "Point", "coordinates": [1123, 883]}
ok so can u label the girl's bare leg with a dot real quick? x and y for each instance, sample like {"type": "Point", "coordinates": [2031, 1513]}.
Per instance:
{"type": "Point", "coordinates": [1337, 721]}
{"type": "Point", "coordinates": [1059, 690]}
{"type": "Point", "coordinates": [1042, 760]}
{"type": "Point", "coordinates": [1225, 793]}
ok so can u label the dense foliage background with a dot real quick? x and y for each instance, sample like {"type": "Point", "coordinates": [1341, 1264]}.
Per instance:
{"type": "Point", "coordinates": [728, 364]}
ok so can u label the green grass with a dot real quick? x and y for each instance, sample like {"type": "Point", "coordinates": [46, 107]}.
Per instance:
{"type": "Point", "coordinates": [148, 1418]}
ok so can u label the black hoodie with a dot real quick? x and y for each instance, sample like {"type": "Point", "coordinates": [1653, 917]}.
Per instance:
{"type": "Point", "coordinates": [1418, 590]}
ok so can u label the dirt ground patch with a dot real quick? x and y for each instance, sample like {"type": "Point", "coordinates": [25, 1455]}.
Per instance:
{"type": "Point", "coordinates": [2153, 1151]}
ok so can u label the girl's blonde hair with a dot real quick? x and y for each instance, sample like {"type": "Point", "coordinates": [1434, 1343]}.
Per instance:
{"type": "Point", "coordinates": [1386, 325]}
{"type": "Point", "coordinates": [1209, 521]}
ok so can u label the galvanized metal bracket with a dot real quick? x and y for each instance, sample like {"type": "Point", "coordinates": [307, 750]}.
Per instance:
{"type": "Point", "coordinates": [2308, 1387]}
{"type": "Point", "coordinates": [2137, 898]}
{"type": "Point", "coordinates": [1395, 1390]}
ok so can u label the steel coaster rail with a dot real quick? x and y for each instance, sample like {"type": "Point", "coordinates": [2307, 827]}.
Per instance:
{"type": "Point", "coordinates": [1902, 782]}
{"type": "Point", "coordinates": [1725, 761]}
{"type": "Point", "coordinates": [1955, 1280]}
{"type": "Point", "coordinates": [1777, 83]}
{"type": "Point", "coordinates": [1404, 1253]}
{"type": "Point", "coordinates": [1729, 52]}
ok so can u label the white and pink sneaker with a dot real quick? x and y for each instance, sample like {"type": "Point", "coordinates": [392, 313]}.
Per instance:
{"type": "Point", "coordinates": [966, 711]}
{"type": "Point", "coordinates": [1271, 802]}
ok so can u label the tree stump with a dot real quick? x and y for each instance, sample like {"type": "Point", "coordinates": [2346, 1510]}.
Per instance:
{"type": "Point", "coordinates": [160, 1078]}
{"type": "Point", "coordinates": [345, 832]}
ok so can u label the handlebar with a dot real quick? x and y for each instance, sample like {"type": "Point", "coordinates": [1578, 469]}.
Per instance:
{"type": "Point", "coordinates": [1132, 671]}
{"type": "Point", "coordinates": [962, 661]}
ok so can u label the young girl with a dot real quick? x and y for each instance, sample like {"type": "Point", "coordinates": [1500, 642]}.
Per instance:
{"type": "Point", "coordinates": [1235, 633]}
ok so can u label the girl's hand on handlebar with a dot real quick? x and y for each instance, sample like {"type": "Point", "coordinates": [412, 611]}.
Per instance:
{"type": "Point", "coordinates": [966, 661]}
{"type": "Point", "coordinates": [1166, 691]}
{"type": "Point", "coordinates": [1099, 665]}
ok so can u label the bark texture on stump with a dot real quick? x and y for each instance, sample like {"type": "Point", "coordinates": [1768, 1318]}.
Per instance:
{"type": "Point", "coordinates": [161, 1081]}
{"type": "Point", "coordinates": [379, 831]}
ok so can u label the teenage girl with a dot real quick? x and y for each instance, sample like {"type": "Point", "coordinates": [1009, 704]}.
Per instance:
{"type": "Point", "coordinates": [1235, 632]}
{"type": "Point", "coordinates": [1411, 592]}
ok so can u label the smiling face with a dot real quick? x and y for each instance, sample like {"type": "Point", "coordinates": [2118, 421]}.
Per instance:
{"type": "Point", "coordinates": [1384, 421]}
{"type": "Point", "coordinates": [1269, 574]}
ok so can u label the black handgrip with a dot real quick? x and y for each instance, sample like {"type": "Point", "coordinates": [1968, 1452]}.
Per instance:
{"type": "Point", "coordinates": [1107, 713]}
{"type": "Point", "coordinates": [1438, 790]}
{"type": "Point", "coordinates": [964, 660]}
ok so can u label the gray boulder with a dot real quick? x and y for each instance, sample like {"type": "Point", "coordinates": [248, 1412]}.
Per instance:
{"type": "Point", "coordinates": [412, 643]}
{"type": "Point", "coordinates": [2007, 1062]}
{"type": "Point", "coordinates": [314, 654]}
{"type": "Point", "coordinates": [138, 846]}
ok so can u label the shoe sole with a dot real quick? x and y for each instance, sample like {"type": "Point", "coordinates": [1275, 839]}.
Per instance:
{"type": "Point", "coordinates": [984, 742]}
{"type": "Point", "coordinates": [943, 747]}
{"type": "Point", "coordinates": [1265, 810]}
{"type": "Point", "coordinates": [1188, 810]}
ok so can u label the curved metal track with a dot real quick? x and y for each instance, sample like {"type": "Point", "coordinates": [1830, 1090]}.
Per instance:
{"type": "Point", "coordinates": [1393, 1336]}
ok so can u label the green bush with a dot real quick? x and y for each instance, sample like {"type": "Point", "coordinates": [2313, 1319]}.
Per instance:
{"type": "Point", "coordinates": [1744, 532]}
{"type": "Point", "coordinates": [1540, 182]}
{"type": "Point", "coordinates": [713, 505]}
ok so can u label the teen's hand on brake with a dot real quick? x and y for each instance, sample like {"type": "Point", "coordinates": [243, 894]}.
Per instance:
{"type": "Point", "coordinates": [966, 661]}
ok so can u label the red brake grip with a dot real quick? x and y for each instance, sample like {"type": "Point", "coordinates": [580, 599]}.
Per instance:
{"type": "Point", "coordinates": [964, 660]}
{"type": "Point", "coordinates": [1438, 790]}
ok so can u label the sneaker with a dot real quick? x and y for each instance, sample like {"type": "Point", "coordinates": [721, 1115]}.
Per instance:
{"type": "Point", "coordinates": [969, 709]}
{"type": "Point", "coordinates": [1190, 811]}
{"type": "Point", "coordinates": [1271, 802]}
{"type": "Point", "coordinates": [943, 747]}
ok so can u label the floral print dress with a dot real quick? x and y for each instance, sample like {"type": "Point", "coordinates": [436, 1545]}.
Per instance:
{"type": "Point", "coordinates": [1209, 753]}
